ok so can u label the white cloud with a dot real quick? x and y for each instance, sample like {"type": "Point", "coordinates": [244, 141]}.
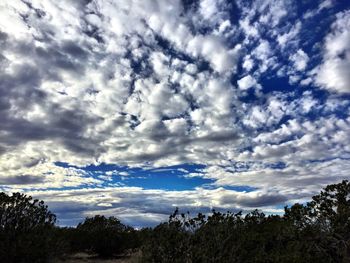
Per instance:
{"type": "Point", "coordinates": [247, 82]}
{"type": "Point", "coordinates": [135, 205]}
{"type": "Point", "coordinates": [287, 37]}
{"type": "Point", "coordinates": [250, 30]}
{"type": "Point", "coordinates": [277, 9]}
{"type": "Point", "coordinates": [248, 63]}
{"type": "Point", "coordinates": [208, 8]}
{"type": "Point", "coordinates": [264, 54]}
{"type": "Point", "coordinates": [300, 60]}
{"type": "Point", "coordinates": [325, 4]}
{"type": "Point", "coordinates": [333, 73]}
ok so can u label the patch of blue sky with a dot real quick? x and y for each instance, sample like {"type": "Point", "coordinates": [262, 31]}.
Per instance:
{"type": "Point", "coordinates": [321, 20]}
{"type": "Point", "coordinates": [240, 188]}
{"type": "Point", "coordinates": [327, 159]}
{"type": "Point", "coordinates": [277, 165]}
{"type": "Point", "coordinates": [166, 180]}
{"type": "Point", "coordinates": [172, 178]}
{"type": "Point", "coordinates": [238, 167]}
{"type": "Point", "coordinates": [236, 188]}
{"type": "Point", "coordinates": [270, 84]}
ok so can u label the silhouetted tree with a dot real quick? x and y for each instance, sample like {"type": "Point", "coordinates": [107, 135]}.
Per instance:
{"type": "Point", "coordinates": [104, 236]}
{"type": "Point", "coordinates": [168, 242]}
{"type": "Point", "coordinates": [318, 231]}
{"type": "Point", "coordinates": [323, 224]}
{"type": "Point", "coordinates": [25, 229]}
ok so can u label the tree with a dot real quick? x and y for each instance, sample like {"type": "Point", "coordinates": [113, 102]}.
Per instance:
{"type": "Point", "coordinates": [333, 206]}
{"type": "Point", "coordinates": [104, 236]}
{"type": "Point", "coordinates": [169, 241]}
{"type": "Point", "coordinates": [25, 229]}
{"type": "Point", "coordinates": [323, 224]}
{"type": "Point", "coordinates": [318, 231]}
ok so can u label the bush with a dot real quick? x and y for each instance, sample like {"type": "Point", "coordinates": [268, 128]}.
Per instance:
{"type": "Point", "coordinates": [104, 236]}
{"type": "Point", "coordinates": [26, 229]}
{"type": "Point", "coordinates": [318, 231]}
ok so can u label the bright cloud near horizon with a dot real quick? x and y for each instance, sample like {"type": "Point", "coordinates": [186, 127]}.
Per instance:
{"type": "Point", "coordinates": [134, 107]}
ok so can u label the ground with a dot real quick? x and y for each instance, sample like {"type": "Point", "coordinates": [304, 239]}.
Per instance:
{"type": "Point", "coordinates": [88, 258]}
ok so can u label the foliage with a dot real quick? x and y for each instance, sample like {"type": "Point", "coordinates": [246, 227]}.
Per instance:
{"type": "Point", "coordinates": [318, 231]}
{"type": "Point", "coordinates": [104, 236]}
{"type": "Point", "coordinates": [28, 233]}
{"type": "Point", "coordinates": [25, 229]}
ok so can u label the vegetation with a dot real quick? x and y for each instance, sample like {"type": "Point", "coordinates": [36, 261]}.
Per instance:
{"type": "Point", "coordinates": [104, 236]}
{"type": "Point", "coordinates": [318, 231]}
{"type": "Point", "coordinates": [26, 229]}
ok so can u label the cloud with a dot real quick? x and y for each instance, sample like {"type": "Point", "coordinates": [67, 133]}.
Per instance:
{"type": "Point", "coordinates": [162, 83]}
{"type": "Point", "coordinates": [300, 60]}
{"type": "Point", "coordinates": [287, 37]}
{"type": "Point", "coordinates": [21, 180]}
{"type": "Point", "coordinates": [325, 4]}
{"type": "Point", "coordinates": [136, 206]}
{"type": "Point", "coordinates": [247, 82]}
{"type": "Point", "coordinates": [332, 74]}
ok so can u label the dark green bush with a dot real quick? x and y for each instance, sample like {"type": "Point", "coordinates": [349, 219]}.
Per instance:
{"type": "Point", "coordinates": [104, 236]}
{"type": "Point", "coordinates": [26, 230]}
{"type": "Point", "coordinates": [318, 231]}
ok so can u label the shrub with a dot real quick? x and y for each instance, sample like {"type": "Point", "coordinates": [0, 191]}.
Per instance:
{"type": "Point", "coordinates": [104, 236]}
{"type": "Point", "coordinates": [318, 231]}
{"type": "Point", "coordinates": [26, 229]}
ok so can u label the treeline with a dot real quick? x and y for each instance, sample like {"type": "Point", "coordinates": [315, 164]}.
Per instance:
{"type": "Point", "coordinates": [318, 231]}
{"type": "Point", "coordinates": [28, 233]}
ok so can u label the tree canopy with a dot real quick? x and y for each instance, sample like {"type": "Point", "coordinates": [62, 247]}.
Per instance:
{"type": "Point", "coordinates": [104, 236]}
{"type": "Point", "coordinates": [316, 231]}
{"type": "Point", "coordinates": [25, 225]}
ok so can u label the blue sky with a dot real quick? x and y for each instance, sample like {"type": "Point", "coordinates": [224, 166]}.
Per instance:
{"type": "Point", "coordinates": [132, 108]}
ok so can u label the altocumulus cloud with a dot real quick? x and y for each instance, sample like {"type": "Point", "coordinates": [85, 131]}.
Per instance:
{"type": "Point", "coordinates": [104, 105]}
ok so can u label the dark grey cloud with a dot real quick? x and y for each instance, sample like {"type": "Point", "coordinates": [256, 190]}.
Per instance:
{"type": "Point", "coordinates": [21, 180]}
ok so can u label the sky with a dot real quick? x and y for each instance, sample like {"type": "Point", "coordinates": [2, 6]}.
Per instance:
{"type": "Point", "coordinates": [131, 108]}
